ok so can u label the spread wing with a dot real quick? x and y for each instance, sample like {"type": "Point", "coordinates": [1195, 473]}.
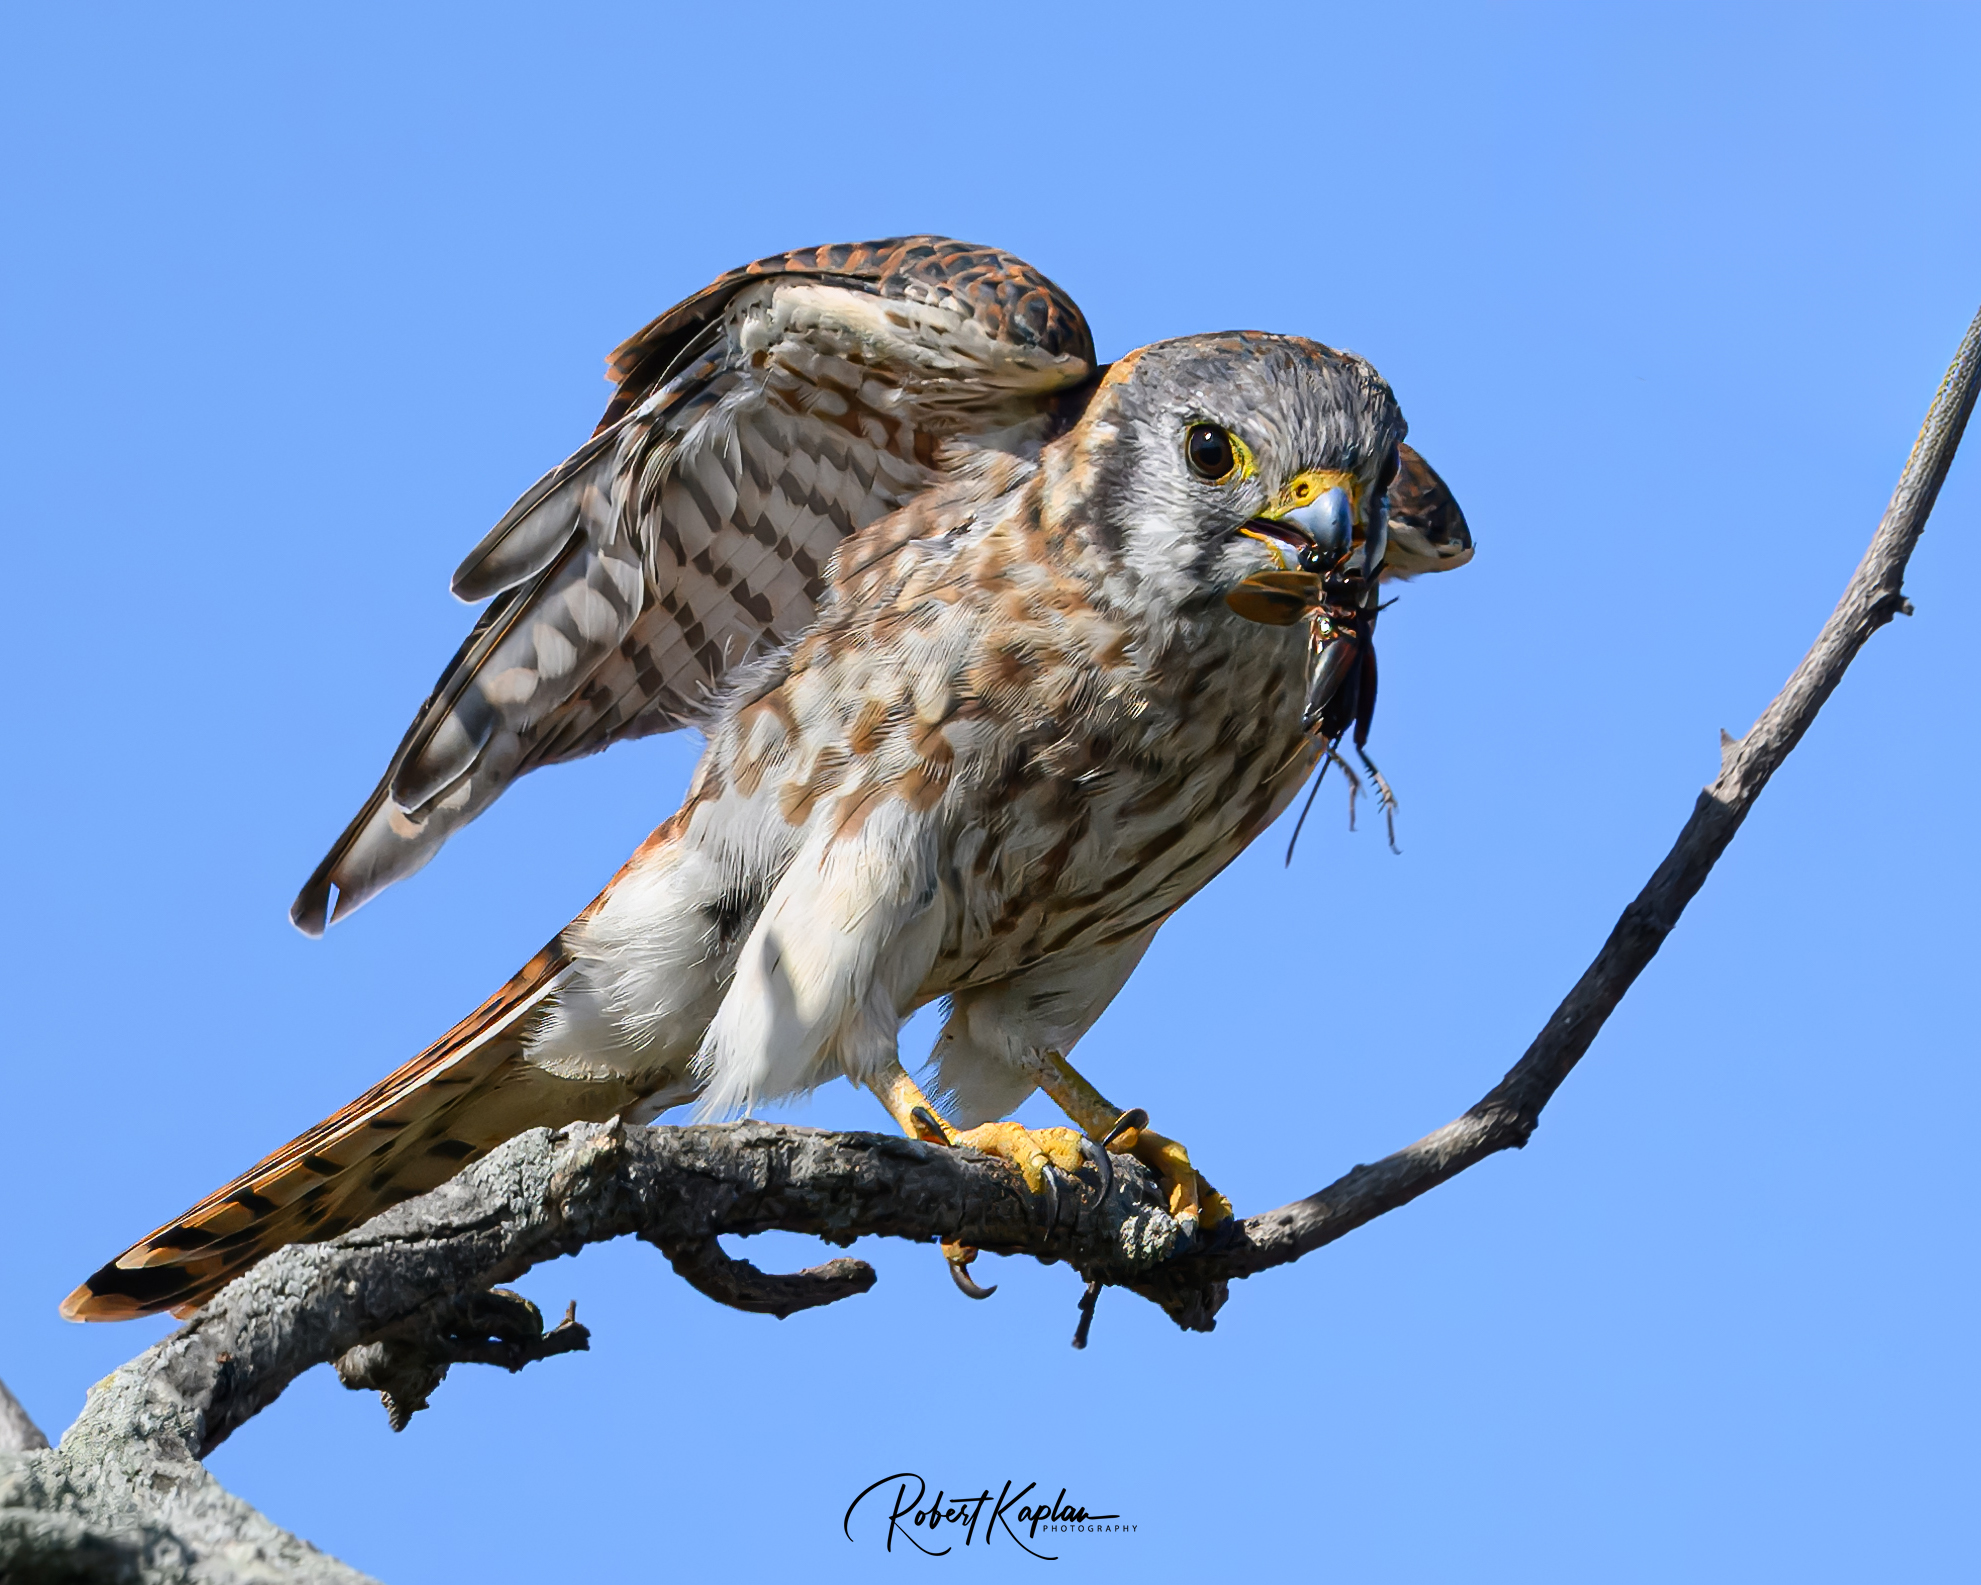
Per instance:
{"type": "Point", "coordinates": [754, 427]}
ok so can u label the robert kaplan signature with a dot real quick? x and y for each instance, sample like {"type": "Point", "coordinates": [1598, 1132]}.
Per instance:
{"type": "Point", "coordinates": [970, 1519]}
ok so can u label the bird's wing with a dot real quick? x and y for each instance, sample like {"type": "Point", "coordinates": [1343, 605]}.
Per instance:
{"type": "Point", "coordinates": [1427, 531]}
{"type": "Point", "coordinates": [755, 426]}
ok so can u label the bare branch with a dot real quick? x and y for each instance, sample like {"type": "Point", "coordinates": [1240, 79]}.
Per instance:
{"type": "Point", "coordinates": [18, 1432]}
{"type": "Point", "coordinates": [413, 1285]}
{"type": "Point", "coordinates": [407, 1361]}
{"type": "Point", "coordinates": [397, 1301]}
{"type": "Point", "coordinates": [741, 1286]}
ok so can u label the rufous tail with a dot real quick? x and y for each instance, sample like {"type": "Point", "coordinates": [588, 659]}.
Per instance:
{"type": "Point", "coordinates": [455, 1101]}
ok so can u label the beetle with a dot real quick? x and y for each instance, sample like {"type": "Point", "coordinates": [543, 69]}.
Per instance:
{"type": "Point", "coordinates": [1334, 591]}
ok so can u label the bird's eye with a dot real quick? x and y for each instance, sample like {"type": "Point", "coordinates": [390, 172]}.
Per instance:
{"type": "Point", "coordinates": [1211, 453]}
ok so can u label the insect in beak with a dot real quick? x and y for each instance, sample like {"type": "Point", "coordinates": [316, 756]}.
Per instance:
{"type": "Point", "coordinates": [1332, 569]}
{"type": "Point", "coordinates": [1335, 657]}
{"type": "Point", "coordinates": [1329, 527]}
{"type": "Point", "coordinates": [1322, 537]}
{"type": "Point", "coordinates": [1334, 591]}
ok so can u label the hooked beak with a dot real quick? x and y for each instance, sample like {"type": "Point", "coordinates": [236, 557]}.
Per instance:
{"type": "Point", "coordinates": [1322, 536]}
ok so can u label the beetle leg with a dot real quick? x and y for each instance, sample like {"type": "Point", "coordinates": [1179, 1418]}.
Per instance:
{"type": "Point", "coordinates": [1385, 798]}
{"type": "Point", "coordinates": [1327, 755]}
{"type": "Point", "coordinates": [1365, 714]}
{"type": "Point", "coordinates": [1354, 782]}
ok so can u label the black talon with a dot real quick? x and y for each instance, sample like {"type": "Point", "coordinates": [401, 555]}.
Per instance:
{"type": "Point", "coordinates": [1134, 1117]}
{"type": "Point", "coordinates": [928, 1120]}
{"type": "Point", "coordinates": [1087, 1302]}
{"type": "Point", "coordinates": [966, 1282]}
{"type": "Point", "coordinates": [1103, 1164]}
{"type": "Point", "coordinates": [1052, 1197]}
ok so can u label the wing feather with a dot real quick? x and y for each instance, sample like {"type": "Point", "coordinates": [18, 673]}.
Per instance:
{"type": "Point", "coordinates": [533, 530]}
{"type": "Point", "coordinates": [1427, 531]}
{"type": "Point", "coordinates": [755, 427]}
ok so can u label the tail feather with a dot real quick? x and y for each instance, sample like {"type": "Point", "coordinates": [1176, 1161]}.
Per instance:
{"type": "Point", "coordinates": [455, 1101]}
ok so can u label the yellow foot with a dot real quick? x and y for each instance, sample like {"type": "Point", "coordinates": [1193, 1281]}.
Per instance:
{"type": "Point", "coordinates": [1192, 1200]}
{"type": "Point", "coordinates": [1035, 1152]}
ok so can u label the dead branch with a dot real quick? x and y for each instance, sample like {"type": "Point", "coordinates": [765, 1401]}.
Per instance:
{"type": "Point", "coordinates": [18, 1432]}
{"type": "Point", "coordinates": [397, 1302]}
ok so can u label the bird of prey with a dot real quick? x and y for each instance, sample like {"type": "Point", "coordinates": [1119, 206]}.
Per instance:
{"type": "Point", "coordinates": [965, 618]}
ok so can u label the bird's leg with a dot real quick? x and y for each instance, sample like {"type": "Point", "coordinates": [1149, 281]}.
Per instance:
{"type": "Point", "coordinates": [1191, 1197]}
{"type": "Point", "coordinates": [908, 1106]}
{"type": "Point", "coordinates": [1034, 1152]}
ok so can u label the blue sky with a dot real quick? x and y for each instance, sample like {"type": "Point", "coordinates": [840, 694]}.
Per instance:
{"type": "Point", "coordinates": [299, 298]}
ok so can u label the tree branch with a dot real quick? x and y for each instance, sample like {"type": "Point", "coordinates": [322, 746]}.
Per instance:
{"type": "Point", "coordinates": [398, 1301]}
{"type": "Point", "coordinates": [18, 1432]}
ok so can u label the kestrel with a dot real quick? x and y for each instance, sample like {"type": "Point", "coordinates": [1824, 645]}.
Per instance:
{"type": "Point", "coordinates": [1000, 658]}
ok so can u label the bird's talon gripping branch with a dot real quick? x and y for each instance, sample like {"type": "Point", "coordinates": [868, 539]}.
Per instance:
{"type": "Point", "coordinates": [1035, 1153]}
{"type": "Point", "coordinates": [1103, 1165]}
{"type": "Point", "coordinates": [958, 1257]}
{"type": "Point", "coordinates": [1129, 1122]}
{"type": "Point", "coordinates": [928, 1128]}
{"type": "Point", "coordinates": [1192, 1201]}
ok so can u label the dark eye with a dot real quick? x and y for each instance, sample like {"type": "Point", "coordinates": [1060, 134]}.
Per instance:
{"type": "Point", "coordinates": [1210, 452]}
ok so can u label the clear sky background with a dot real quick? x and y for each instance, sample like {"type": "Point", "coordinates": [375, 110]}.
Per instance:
{"type": "Point", "coordinates": [297, 299]}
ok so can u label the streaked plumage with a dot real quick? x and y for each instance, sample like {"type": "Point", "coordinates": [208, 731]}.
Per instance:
{"type": "Point", "coordinates": [1013, 732]}
{"type": "Point", "coordinates": [754, 427]}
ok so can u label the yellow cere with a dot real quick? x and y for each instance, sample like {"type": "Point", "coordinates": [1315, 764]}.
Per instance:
{"type": "Point", "coordinates": [1307, 488]}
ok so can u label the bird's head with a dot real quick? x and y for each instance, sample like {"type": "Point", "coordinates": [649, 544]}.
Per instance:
{"type": "Point", "coordinates": [1202, 461]}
